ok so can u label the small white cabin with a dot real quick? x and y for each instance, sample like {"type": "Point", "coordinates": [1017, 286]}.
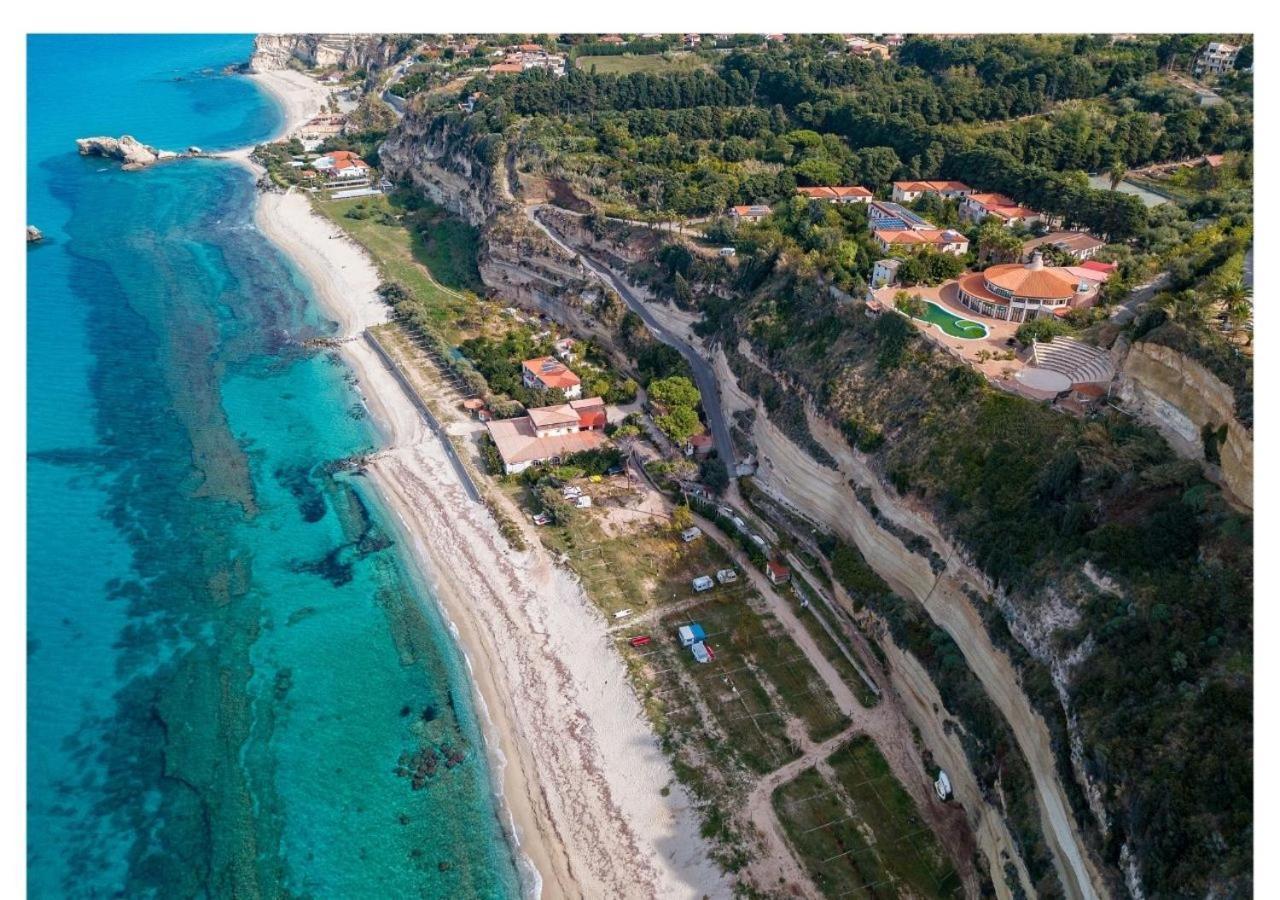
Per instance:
{"type": "Point", "coordinates": [703, 583]}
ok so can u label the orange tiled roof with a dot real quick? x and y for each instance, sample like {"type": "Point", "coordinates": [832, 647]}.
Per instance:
{"type": "Point", "coordinates": [1002, 206]}
{"type": "Point", "coordinates": [938, 186]}
{"type": "Point", "coordinates": [923, 236]}
{"type": "Point", "coordinates": [551, 373]}
{"type": "Point", "coordinates": [1036, 284]}
{"type": "Point", "coordinates": [834, 193]}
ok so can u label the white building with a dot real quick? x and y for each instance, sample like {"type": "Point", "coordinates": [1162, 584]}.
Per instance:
{"type": "Point", "coordinates": [885, 272]}
{"type": "Point", "coordinates": [549, 433]}
{"type": "Point", "coordinates": [1216, 58]}
{"type": "Point", "coordinates": [910, 191]}
{"type": "Point", "coordinates": [341, 164]}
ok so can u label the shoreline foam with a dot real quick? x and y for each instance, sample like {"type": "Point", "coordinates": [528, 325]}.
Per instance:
{"type": "Point", "coordinates": [575, 764]}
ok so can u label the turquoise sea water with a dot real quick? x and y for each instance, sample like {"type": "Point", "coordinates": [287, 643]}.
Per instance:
{"type": "Point", "coordinates": [229, 665]}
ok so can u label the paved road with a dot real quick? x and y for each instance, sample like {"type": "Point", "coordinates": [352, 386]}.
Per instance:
{"type": "Point", "coordinates": [703, 375]}
{"type": "Point", "coordinates": [1127, 311]}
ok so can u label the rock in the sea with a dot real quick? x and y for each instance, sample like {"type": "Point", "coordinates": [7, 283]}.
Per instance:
{"type": "Point", "coordinates": [34, 234]}
{"type": "Point", "coordinates": [128, 149]}
{"type": "Point", "coordinates": [194, 151]}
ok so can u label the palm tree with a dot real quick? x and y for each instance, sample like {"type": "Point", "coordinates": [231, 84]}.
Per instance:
{"type": "Point", "coordinates": [1234, 293]}
{"type": "Point", "coordinates": [1239, 315]}
{"type": "Point", "coordinates": [1116, 173]}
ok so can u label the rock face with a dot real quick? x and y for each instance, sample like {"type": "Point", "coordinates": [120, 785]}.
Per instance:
{"type": "Point", "coordinates": [1180, 397]}
{"type": "Point", "coordinates": [128, 149]}
{"type": "Point", "coordinates": [345, 51]}
{"type": "Point", "coordinates": [34, 234]}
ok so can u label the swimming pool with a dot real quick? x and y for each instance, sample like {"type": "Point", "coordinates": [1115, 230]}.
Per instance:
{"type": "Point", "coordinates": [950, 323]}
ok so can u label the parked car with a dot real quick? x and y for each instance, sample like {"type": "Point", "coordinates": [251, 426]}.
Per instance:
{"type": "Point", "coordinates": [641, 640]}
{"type": "Point", "coordinates": [541, 519]}
{"type": "Point", "coordinates": [614, 470]}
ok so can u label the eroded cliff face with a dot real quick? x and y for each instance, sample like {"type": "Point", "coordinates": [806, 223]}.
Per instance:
{"type": "Point", "coordinates": [464, 173]}
{"type": "Point", "coordinates": [1178, 396]}
{"type": "Point", "coordinates": [439, 157]}
{"type": "Point", "coordinates": [345, 51]}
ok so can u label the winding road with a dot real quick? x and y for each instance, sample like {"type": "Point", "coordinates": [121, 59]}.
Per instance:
{"type": "Point", "coordinates": [703, 375]}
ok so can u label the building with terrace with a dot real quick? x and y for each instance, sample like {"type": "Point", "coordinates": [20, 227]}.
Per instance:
{"type": "Point", "coordinates": [547, 373]}
{"type": "Point", "coordinates": [944, 240]}
{"type": "Point", "coordinates": [1076, 244]}
{"type": "Point", "coordinates": [1216, 58]}
{"type": "Point", "coordinates": [910, 191]}
{"type": "Point", "coordinates": [1019, 293]}
{"type": "Point", "coordinates": [977, 207]}
{"type": "Point", "coordinates": [851, 194]}
{"type": "Point", "coordinates": [549, 433]}
{"type": "Point", "coordinates": [341, 164]}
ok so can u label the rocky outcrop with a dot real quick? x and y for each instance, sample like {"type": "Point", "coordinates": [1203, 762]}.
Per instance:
{"type": "Point", "coordinates": [1181, 398]}
{"type": "Point", "coordinates": [440, 157]}
{"type": "Point", "coordinates": [321, 51]}
{"type": "Point", "coordinates": [128, 149]}
{"type": "Point", "coordinates": [34, 235]}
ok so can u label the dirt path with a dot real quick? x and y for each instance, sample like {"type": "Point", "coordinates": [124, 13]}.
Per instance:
{"type": "Point", "coordinates": [884, 723]}
{"type": "Point", "coordinates": [788, 870]}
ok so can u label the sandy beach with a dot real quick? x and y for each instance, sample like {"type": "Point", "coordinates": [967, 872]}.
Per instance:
{"type": "Point", "coordinates": [580, 770]}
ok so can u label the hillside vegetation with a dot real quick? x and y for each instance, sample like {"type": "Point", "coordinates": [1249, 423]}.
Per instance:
{"type": "Point", "coordinates": [1112, 558]}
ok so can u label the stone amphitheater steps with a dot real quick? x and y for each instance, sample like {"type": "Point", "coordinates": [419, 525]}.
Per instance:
{"type": "Point", "coordinates": [1079, 361]}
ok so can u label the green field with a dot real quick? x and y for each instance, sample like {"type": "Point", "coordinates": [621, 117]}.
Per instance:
{"type": "Point", "coordinates": [861, 835]}
{"type": "Point", "coordinates": [952, 324]}
{"type": "Point", "coordinates": [656, 63]}
{"type": "Point", "coordinates": [749, 645]}
{"type": "Point", "coordinates": [403, 256]}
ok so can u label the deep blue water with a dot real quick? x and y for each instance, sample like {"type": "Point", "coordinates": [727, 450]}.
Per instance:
{"type": "Point", "coordinates": [228, 660]}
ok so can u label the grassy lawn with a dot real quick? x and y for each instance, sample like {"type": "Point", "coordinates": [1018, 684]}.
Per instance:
{"type": "Point", "coordinates": [404, 257]}
{"type": "Point", "coordinates": [656, 63]}
{"type": "Point", "coordinates": [861, 835]}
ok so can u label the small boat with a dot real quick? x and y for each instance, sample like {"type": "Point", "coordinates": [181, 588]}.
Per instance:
{"type": "Point", "coordinates": [641, 640]}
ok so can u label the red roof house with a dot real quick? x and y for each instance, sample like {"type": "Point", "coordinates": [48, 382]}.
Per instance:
{"type": "Point", "coordinates": [778, 573]}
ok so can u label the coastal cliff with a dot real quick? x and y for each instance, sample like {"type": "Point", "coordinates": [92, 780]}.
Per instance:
{"type": "Point", "coordinates": [1039, 623]}
{"type": "Point", "coordinates": [464, 173]}
{"type": "Point", "coordinates": [344, 51]}
{"type": "Point", "coordinates": [1184, 401]}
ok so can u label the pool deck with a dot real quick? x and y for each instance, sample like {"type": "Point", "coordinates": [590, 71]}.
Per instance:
{"type": "Point", "coordinates": [998, 331]}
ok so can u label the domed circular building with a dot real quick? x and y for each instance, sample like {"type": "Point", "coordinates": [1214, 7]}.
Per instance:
{"type": "Point", "coordinates": [1019, 292]}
